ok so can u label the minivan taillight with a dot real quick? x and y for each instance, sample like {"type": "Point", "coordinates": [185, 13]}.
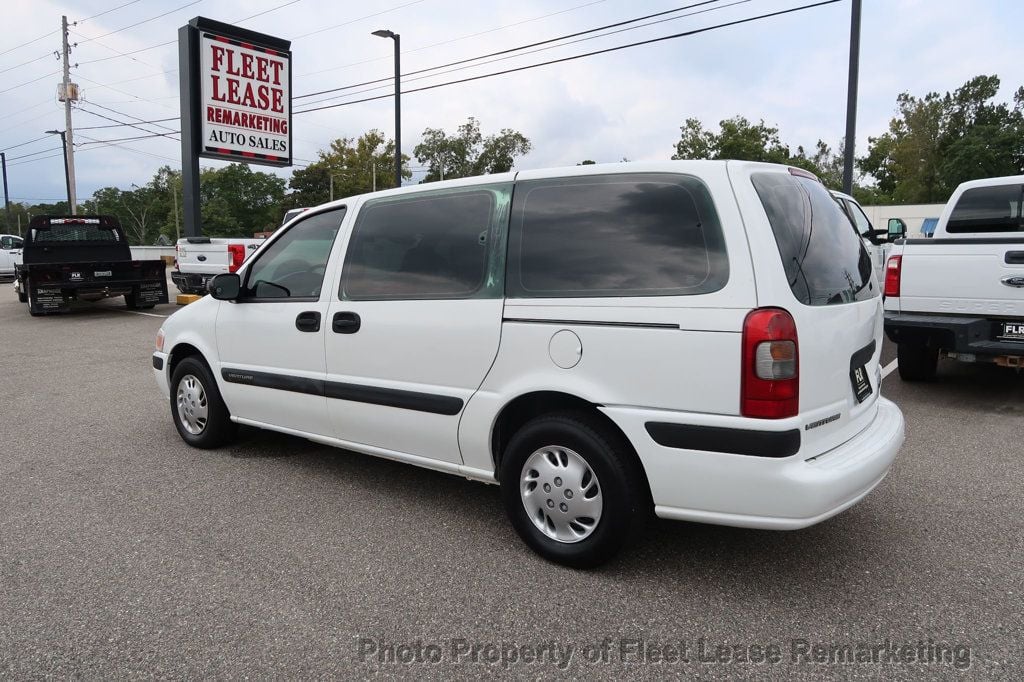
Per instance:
{"type": "Point", "coordinates": [236, 256]}
{"type": "Point", "coordinates": [770, 387]}
{"type": "Point", "coordinates": [893, 269]}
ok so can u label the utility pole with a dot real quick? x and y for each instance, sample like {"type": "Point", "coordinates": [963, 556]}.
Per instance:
{"type": "Point", "coordinates": [849, 143]}
{"type": "Point", "coordinates": [7, 198]}
{"type": "Point", "coordinates": [69, 93]}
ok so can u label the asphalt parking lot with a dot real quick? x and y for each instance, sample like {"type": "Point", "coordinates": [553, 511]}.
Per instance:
{"type": "Point", "coordinates": [124, 553]}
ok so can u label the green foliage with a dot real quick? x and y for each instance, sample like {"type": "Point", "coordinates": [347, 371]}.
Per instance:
{"type": "Point", "coordinates": [587, 162]}
{"type": "Point", "coordinates": [468, 153]}
{"type": "Point", "coordinates": [238, 201]}
{"type": "Point", "coordinates": [356, 166]}
{"type": "Point", "coordinates": [937, 141]}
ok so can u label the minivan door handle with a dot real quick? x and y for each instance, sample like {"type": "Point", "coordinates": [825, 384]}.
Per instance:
{"type": "Point", "coordinates": [308, 321]}
{"type": "Point", "coordinates": [345, 323]}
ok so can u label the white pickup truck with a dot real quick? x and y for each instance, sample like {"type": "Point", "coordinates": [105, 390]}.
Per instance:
{"type": "Point", "coordinates": [199, 259]}
{"type": "Point", "coordinates": [960, 294]}
{"type": "Point", "coordinates": [10, 254]}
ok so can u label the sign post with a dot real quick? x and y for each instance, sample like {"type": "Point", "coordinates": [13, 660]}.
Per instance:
{"type": "Point", "coordinates": [236, 102]}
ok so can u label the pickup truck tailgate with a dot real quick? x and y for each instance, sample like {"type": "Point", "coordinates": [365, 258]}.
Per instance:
{"type": "Point", "coordinates": [963, 276]}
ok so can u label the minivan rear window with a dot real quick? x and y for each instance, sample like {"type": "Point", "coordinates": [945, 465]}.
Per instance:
{"type": "Point", "coordinates": [987, 209]}
{"type": "Point", "coordinates": [825, 261]}
{"type": "Point", "coordinates": [615, 235]}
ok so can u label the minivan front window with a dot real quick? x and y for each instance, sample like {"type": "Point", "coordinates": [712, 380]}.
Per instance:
{"type": "Point", "coordinates": [825, 262]}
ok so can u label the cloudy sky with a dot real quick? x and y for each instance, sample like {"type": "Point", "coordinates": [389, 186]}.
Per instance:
{"type": "Point", "coordinates": [789, 70]}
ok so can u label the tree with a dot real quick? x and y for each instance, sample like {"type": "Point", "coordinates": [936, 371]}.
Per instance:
{"type": "Point", "coordinates": [587, 162]}
{"type": "Point", "coordinates": [738, 138]}
{"type": "Point", "coordinates": [468, 153]}
{"type": "Point", "coordinates": [356, 166]}
{"type": "Point", "coordinates": [237, 201]}
{"type": "Point", "coordinates": [935, 142]}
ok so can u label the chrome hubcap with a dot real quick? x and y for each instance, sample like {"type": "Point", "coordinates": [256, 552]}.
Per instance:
{"type": "Point", "coordinates": [193, 410]}
{"type": "Point", "coordinates": [561, 494]}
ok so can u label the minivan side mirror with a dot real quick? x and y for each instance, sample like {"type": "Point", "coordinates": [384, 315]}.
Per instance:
{"type": "Point", "coordinates": [225, 287]}
{"type": "Point", "coordinates": [897, 229]}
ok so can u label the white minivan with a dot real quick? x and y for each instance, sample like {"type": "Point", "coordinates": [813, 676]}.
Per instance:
{"type": "Point", "coordinates": [699, 339]}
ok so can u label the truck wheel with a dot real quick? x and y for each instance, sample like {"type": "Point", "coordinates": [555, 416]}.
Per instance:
{"type": "Point", "coordinates": [198, 411]}
{"type": "Point", "coordinates": [22, 298]}
{"type": "Point", "coordinates": [132, 304]}
{"type": "Point", "coordinates": [916, 361]}
{"type": "Point", "coordinates": [572, 489]}
{"type": "Point", "coordinates": [28, 299]}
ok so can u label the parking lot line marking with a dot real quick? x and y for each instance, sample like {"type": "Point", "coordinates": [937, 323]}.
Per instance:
{"type": "Point", "coordinates": [887, 370]}
{"type": "Point", "coordinates": [136, 312]}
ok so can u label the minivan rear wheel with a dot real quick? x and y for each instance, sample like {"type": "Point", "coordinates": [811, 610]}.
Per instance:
{"type": "Point", "coordinates": [916, 361]}
{"type": "Point", "coordinates": [572, 489]}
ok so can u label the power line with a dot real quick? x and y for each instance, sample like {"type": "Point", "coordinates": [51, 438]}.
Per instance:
{"type": "Point", "coordinates": [34, 80]}
{"type": "Point", "coordinates": [121, 125]}
{"type": "Point", "coordinates": [455, 40]}
{"type": "Point", "coordinates": [28, 42]}
{"type": "Point", "coordinates": [172, 42]}
{"type": "Point", "coordinates": [44, 151]}
{"type": "Point", "coordinates": [136, 118]}
{"type": "Point", "coordinates": [41, 158]}
{"type": "Point", "coordinates": [112, 9]}
{"type": "Point", "coordinates": [130, 125]}
{"type": "Point", "coordinates": [541, 49]}
{"type": "Point", "coordinates": [581, 56]}
{"type": "Point", "coordinates": [30, 61]}
{"type": "Point", "coordinates": [124, 139]}
{"type": "Point", "coordinates": [15, 146]}
{"type": "Point", "coordinates": [131, 149]}
{"type": "Point", "coordinates": [144, 21]}
{"type": "Point", "coordinates": [352, 21]}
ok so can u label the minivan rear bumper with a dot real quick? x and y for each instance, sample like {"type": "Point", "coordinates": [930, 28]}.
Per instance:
{"type": "Point", "coordinates": [764, 492]}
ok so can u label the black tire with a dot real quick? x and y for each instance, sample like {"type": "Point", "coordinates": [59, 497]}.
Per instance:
{"type": "Point", "coordinates": [916, 361]}
{"type": "Point", "coordinates": [218, 428]}
{"type": "Point", "coordinates": [22, 298]}
{"type": "Point", "coordinates": [132, 304]}
{"type": "Point", "coordinates": [623, 487]}
{"type": "Point", "coordinates": [28, 300]}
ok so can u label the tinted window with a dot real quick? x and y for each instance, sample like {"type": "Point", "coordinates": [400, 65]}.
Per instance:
{"type": "Point", "coordinates": [430, 245]}
{"type": "Point", "coordinates": [824, 260]}
{"type": "Point", "coordinates": [295, 264]}
{"type": "Point", "coordinates": [615, 235]}
{"type": "Point", "coordinates": [987, 209]}
{"type": "Point", "coordinates": [10, 243]}
{"type": "Point", "coordinates": [74, 233]}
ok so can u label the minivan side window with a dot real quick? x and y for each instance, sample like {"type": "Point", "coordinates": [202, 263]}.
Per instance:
{"type": "Point", "coordinates": [428, 245]}
{"type": "Point", "coordinates": [987, 209]}
{"type": "Point", "coordinates": [293, 266]}
{"type": "Point", "coordinates": [824, 260]}
{"type": "Point", "coordinates": [627, 234]}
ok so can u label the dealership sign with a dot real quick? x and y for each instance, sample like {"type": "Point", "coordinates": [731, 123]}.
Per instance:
{"type": "Point", "coordinates": [246, 100]}
{"type": "Point", "coordinates": [236, 93]}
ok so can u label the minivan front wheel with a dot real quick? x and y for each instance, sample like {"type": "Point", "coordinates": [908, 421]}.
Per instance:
{"type": "Point", "coordinates": [572, 489]}
{"type": "Point", "coordinates": [199, 413]}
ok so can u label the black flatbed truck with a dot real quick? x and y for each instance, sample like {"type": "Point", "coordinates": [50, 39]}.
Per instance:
{"type": "Point", "coordinates": [84, 258]}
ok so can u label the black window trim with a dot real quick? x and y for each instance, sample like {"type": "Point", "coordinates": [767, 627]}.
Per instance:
{"type": "Point", "coordinates": [279, 234]}
{"type": "Point", "coordinates": [516, 259]}
{"type": "Point", "coordinates": [494, 231]}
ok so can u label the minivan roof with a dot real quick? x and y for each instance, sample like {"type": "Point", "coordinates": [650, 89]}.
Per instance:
{"type": "Point", "coordinates": [678, 166]}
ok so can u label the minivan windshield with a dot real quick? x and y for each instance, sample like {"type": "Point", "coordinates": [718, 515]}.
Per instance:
{"type": "Point", "coordinates": [825, 261]}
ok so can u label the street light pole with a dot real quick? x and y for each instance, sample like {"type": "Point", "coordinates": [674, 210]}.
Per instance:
{"type": "Point", "coordinates": [851, 98]}
{"type": "Point", "coordinates": [398, 101]}
{"type": "Point", "coordinates": [67, 175]}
